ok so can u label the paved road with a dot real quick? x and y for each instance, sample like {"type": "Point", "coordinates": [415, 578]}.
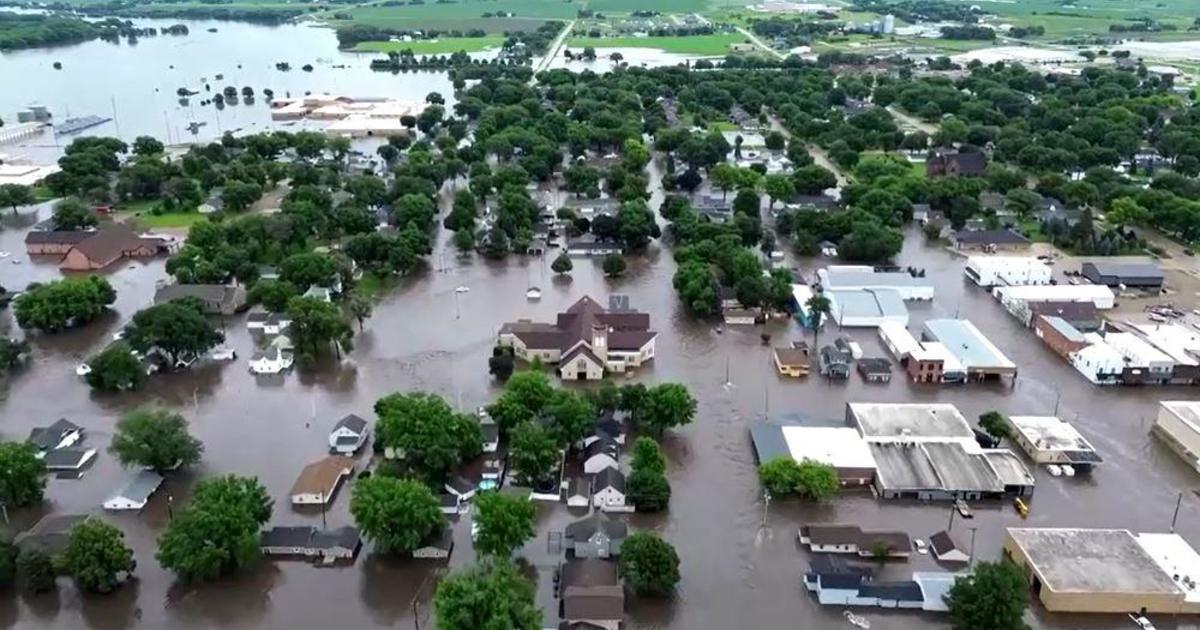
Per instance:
{"type": "Point", "coordinates": [552, 51]}
{"type": "Point", "coordinates": [911, 121]}
{"type": "Point", "coordinates": [819, 156]}
{"type": "Point", "coordinates": [758, 42]}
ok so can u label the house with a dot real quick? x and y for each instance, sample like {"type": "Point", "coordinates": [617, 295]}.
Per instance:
{"type": "Point", "coordinates": [840, 585]}
{"type": "Point", "coordinates": [874, 369]}
{"type": "Point", "coordinates": [61, 434]}
{"type": "Point", "coordinates": [591, 593]}
{"type": "Point", "coordinates": [136, 492]}
{"type": "Point", "coordinates": [437, 547]}
{"type": "Point", "coordinates": [461, 487]}
{"type": "Point", "coordinates": [348, 435]}
{"type": "Point", "coordinates": [490, 431]}
{"type": "Point", "coordinates": [853, 540]}
{"type": "Point", "coordinates": [1125, 275]}
{"type": "Point", "coordinates": [990, 271]}
{"type": "Point", "coordinates": [834, 362]}
{"type": "Point", "coordinates": [947, 163]}
{"type": "Point", "coordinates": [590, 247]}
{"type": "Point", "coordinates": [740, 317]}
{"type": "Point", "coordinates": [585, 341]}
{"type": "Point", "coordinates": [792, 362]}
{"type": "Point", "coordinates": [267, 323]}
{"type": "Point", "coordinates": [989, 240]}
{"type": "Point", "coordinates": [608, 490]}
{"type": "Point", "coordinates": [54, 242]}
{"type": "Point", "coordinates": [217, 299]}
{"type": "Point", "coordinates": [600, 454]}
{"type": "Point", "coordinates": [946, 549]}
{"type": "Point", "coordinates": [450, 504]}
{"type": "Point", "coordinates": [325, 294]}
{"type": "Point", "coordinates": [275, 358]}
{"type": "Point", "coordinates": [51, 534]}
{"type": "Point", "coordinates": [606, 427]}
{"type": "Point", "coordinates": [597, 536]}
{"type": "Point", "coordinates": [68, 459]}
{"type": "Point", "coordinates": [309, 542]}
{"type": "Point", "coordinates": [728, 297]}
{"type": "Point", "coordinates": [319, 481]}
{"type": "Point", "coordinates": [108, 245]}
{"type": "Point", "coordinates": [578, 492]}
{"type": "Point", "coordinates": [1106, 570]}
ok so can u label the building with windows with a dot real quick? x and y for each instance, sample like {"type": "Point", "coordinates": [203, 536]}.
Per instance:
{"type": "Point", "coordinates": [991, 271]}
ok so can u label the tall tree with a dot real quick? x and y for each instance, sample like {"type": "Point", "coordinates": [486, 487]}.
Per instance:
{"type": "Point", "coordinates": [156, 439]}
{"type": "Point", "coordinates": [532, 452]}
{"type": "Point", "coordinates": [818, 309]}
{"type": "Point", "coordinates": [35, 571]}
{"type": "Point", "coordinates": [505, 523]}
{"type": "Point", "coordinates": [993, 597]}
{"type": "Point", "coordinates": [219, 531]}
{"type": "Point", "coordinates": [73, 214]}
{"type": "Point", "coordinates": [430, 436]}
{"type": "Point", "coordinates": [395, 514]}
{"type": "Point", "coordinates": [22, 475]}
{"type": "Point", "coordinates": [115, 369]}
{"type": "Point", "coordinates": [97, 557]}
{"type": "Point", "coordinates": [360, 307]}
{"type": "Point", "coordinates": [14, 195]}
{"type": "Point", "coordinates": [60, 304]}
{"type": "Point", "coordinates": [317, 326]}
{"type": "Point", "coordinates": [666, 406]}
{"type": "Point", "coordinates": [494, 595]}
{"type": "Point", "coordinates": [178, 328]}
{"type": "Point", "coordinates": [525, 395]}
{"type": "Point", "coordinates": [648, 490]}
{"type": "Point", "coordinates": [649, 564]}
{"type": "Point", "coordinates": [571, 416]}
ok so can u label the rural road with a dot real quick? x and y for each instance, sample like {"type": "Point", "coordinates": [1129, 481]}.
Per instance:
{"type": "Point", "coordinates": [552, 51]}
{"type": "Point", "coordinates": [913, 122]}
{"type": "Point", "coordinates": [819, 156]}
{"type": "Point", "coordinates": [758, 42]}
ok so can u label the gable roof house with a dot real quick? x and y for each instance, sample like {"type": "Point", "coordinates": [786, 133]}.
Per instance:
{"type": "Point", "coordinates": [266, 322]}
{"type": "Point", "coordinates": [310, 542]}
{"type": "Point", "coordinates": [54, 242]}
{"type": "Point", "coordinates": [136, 492]}
{"type": "Point", "coordinates": [591, 593]}
{"type": "Point", "coordinates": [943, 163]}
{"type": "Point", "coordinates": [108, 245]}
{"type": "Point", "coordinates": [51, 534]}
{"type": "Point", "coordinates": [490, 431]}
{"type": "Point", "coordinates": [608, 490]}
{"type": "Point", "coordinates": [68, 459]}
{"type": "Point", "coordinates": [585, 341]}
{"type": "Point", "coordinates": [61, 434]}
{"type": "Point", "coordinates": [348, 435]}
{"type": "Point", "coordinates": [834, 362]}
{"type": "Point", "coordinates": [437, 547]}
{"type": "Point", "coordinates": [218, 299]}
{"type": "Point", "coordinates": [450, 504]}
{"type": "Point", "coordinates": [461, 487]}
{"type": "Point", "coordinates": [852, 539]}
{"type": "Point", "coordinates": [578, 492]}
{"type": "Point", "coordinates": [597, 536]}
{"type": "Point", "coordinates": [946, 549]}
{"type": "Point", "coordinates": [319, 481]}
{"type": "Point", "coordinates": [600, 454]}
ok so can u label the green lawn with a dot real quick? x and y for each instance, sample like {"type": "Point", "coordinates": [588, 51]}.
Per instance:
{"type": "Point", "coordinates": [1094, 17]}
{"type": "Point", "coordinates": [42, 193]}
{"type": "Point", "coordinates": [692, 45]}
{"type": "Point", "coordinates": [169, 219]}
{"type": "Point", "coordinates": [373, 285]}
{"type": "Point", "coordinates": [722, 125]}
{"type": "Point", "coordinates": [435, 47]}
{"type": "Point", "coordinates": [465, 15]}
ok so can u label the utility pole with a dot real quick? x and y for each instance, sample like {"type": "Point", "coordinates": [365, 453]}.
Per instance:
{"type": "Point", "coordinates": [971, 562]}
{"type": "Point", "coordinates": [950, 525]}
{"type": "Point", "coordinates": [766, 504]}
{"type": "Point", "coordinates": [1175, 517]}
{"type": "Point", "coordinates": [1057, 398]}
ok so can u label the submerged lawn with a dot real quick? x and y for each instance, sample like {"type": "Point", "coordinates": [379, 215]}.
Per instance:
{"type": "Point", "coordinates": [713, 45]}
{"type": "Point", "coordinates": [445, 46]}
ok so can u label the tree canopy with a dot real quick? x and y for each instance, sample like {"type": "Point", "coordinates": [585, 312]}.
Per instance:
{"type": "Point", "coordinates": [649, 564]}
{"type": "Point", "coordinates": [156, 439]}
{"type": "Point", "coordinates": [97, 557]}
{"type": "Point", "coordinates": [22, 475]}
{"type": "Point", "coordinates": [218, 532]}
{"type": "Point", "coordinates": [993, 597]}
{"type": "Point", "coordinates": [395, 514]}
{"type": "Point", "coordinates": [493, 595]}
{"type": "Point", "coordinates": [60, 304]}
{"type": "Point", "coordinates": [178, 328]}
{"type": "Point", "coordinates": [429, 436]}
{"type": "Point", "coordinates": [505, 523]}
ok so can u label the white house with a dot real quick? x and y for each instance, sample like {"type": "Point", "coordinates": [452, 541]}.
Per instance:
{"type": "Point", "coordinates": [461, 487]}
{"type": "Point", "coordinates": [991, 271]}
{"type": "Point", "coordinates": [608, 491]}
{"type": "Point", "coordinates": [490, 431]}
{"type": "Point", "coordinates": [450, 504]}
{"type": "Point", "coordinates": [946, 548]}
{"type": "Point", "coordinates": [267, 323]}
{"type": "Point", "coordinates": [599, 455]}
{"type": "Point", "coordinates": [319, 481]}
{"type": "Point", "coordinates": [348, 435]}
{"type": "Point", "coordinates": [61, 434]}
{"type": "Point", "coordinates": [437, 547]}
{"type": "Point", "coordinates": [277, 357]}
{"type": "Point", "coordinates": [578, 493]}
{"type": "Point", "coordinates": [136, 492]}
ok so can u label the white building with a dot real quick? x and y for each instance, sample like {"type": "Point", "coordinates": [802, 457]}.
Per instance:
{"type": "Point", "coordinates": [136, 492]}
{"type": "Point", "coordinates": [1098, 362]}
{"type": "Point", "coordinates": [898, 340]}
{"type": "Point", "coordinates": [864, 277]}
{"type": "Point", "coordinates": [1017, 299]}
{"type": "Point", "coordinates": [866, 308]}
{"type": "Point", "coordinates": [348, 435]}
{"type": "Point", "coordinates": [1178, 425]}
{"type": "Point", "coordinates": [1140, 355]}
{"type": "Point", "coordinates": [1050, 440]}
{"type": "Point", "coordinates": [990, 271]}
{"type": "Point", "coordinates": [953, 370]}
{"type": "Point", "coordinates": [1180, 343]}
{"type": "Point", "coordinates": [608, 490]}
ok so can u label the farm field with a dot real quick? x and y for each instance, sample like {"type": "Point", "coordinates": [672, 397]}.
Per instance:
{"type": "Point", "coordinates": [1061, 21]}
{"type": "Point", "coordinates": [434, 47]}
{"type": "Point", "coordinates": [690, 45]}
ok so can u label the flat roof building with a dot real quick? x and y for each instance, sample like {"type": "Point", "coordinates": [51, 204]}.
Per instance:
{"type": "Point", "coordinates": [840, 447]}
{"type": "Point", "coordinates": [1178, 425]}
{"type": "Point", "coordinates": [1105, 570]}
{"type": "Point", "coordinates": [990, 271]}
{"type": "Point", "coordinates": [851, 308]}
{"type": "Point", "coordinates": [898, 340]}
{"type": "Point", "coordinates": [1014, 297]}
{"type": "Point", "coordinates": [907, 422]}
{"type": "Point", "coordinates": [932, 471]}
{"type": "Point", "coordinates": [1132, 275]}
{"type": "Point", "coordinates": [982, 359]}
{"type": "Point", "coordinates": [1050, 440]}
{"type": "Point", "coordinates": [908, 286]}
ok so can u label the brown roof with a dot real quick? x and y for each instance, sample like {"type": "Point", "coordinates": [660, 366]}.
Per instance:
{"type": "Point", "coordinates": [942, 543]}
{"type": "Point", "coordinates": [589, 572]}
{"type": "Point", "coordinates": [594, 602]}
{"type": "Point", "coordinates": [321, 476]}
{"type": "Point", "coordinates": [792, 356]}
{"type": "Point", "coordinates": [68, 237]}
{"type": "Point", "coordinates": [627, 330]}
{"type": "Point", "coordinates": [852, 534]}
{"type": "Point", "coordinates": [585, 351]}
{"type": "Point", "coordinates": [630, 339]}
{"type": "Point", "coordinates": [109, 244]}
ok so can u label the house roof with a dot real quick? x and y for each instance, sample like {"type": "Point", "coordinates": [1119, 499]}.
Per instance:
{"type": "Point", "coordinates": [594, 602]}
{"type": "Point", "coordinates": [48, 437]}
{"type": "Point", "coordinates": [109, 244]}
{"type": "Point", "coordinates": [626, 330]}
{"type": "Point", "coordinates": [908, 591]}
{"type": "Point", "coordinates": [139, 487]}
{"type": "Point", "coordinates": [1122, 270]}
{"type": "Point", "coordinates": [309, 537]}
{"type": "Point", "coordinates": [989, 237]}
{"type": "Point", "coordinates": [943, 543]}
{"type": "Point", "coordinates": [50, 534]}
{"type": "Point", "coordinates": [68, 457]}
{"type": "Point", "coordinates": [1070, 311]}
{"type": "Point", "coordinates": [608, 424]}
{"type": "Point", "coordinates": [443, 539]}
{"type": "Point", "coordinates": [353, 423]}
{"type": "Point", "coordinates": [204, 292]}
{"type": "Point", "coordinates": [320, 476]}
{"type": "Point", "coordinates": [602, 446]}
{"type": "Point", "coordinates": [597, 523]}
{"type": "Point", "coordinates": [853, 535]}
{"type": "Point", "coordinates": [584, 572]}
{"type": "Point", "coordinates": [874, 365]}
{"type": "Point", "coordinates": [609, 478]}
{"type": "Point", "coordinates": [972, 163]}
{"type": "Point", "coordinates": [578, 486]}
{"type": "Point", "coordinates": [461, 484]}
{"type": "Point", "coordinates": [792, 356]}
{"type": "Point", "coordinates": [448, 500]}
{"type": "Point", "coordinates": [66, 237]}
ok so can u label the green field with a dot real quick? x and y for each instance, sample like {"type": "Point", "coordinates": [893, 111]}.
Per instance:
{"type": "Point", "coordinates": [434, 47]}
{"type": "Point", "coordinates": [693, 45]}
{"type": "Point", "coordinates": [168, 220]}
{"type": "Point", "coordinates": [466, 15]}
{"type": "Point", "coordinates": [1095, 16]}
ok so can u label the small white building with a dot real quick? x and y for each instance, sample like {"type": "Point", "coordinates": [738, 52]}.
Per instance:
{"type": "Point", "coordinates": [608, 490]}
{"type": "Point", "coordinates": [348, 435]}
{"type": "Point", "coordinates": [277, 357]}
{"type": "Point", "coordinates": [1178, 425]}
{"type": "Point", "coordinates": [739, 317]}
{"type": "Point", "coordinates": [1017, 299]}
{"type": "Point", "coordinates": [136, 492]}
{"type": "Point", "coordinates": [857, 277]}
{"type": "Point", "coordinates": [1098, 362]}
{"type": "Point", "coordinates": [991, 271]}
{"type": "Point", "coordinates": [1050, 440]}
{"type": "Point", "coordinates": [898, 340]}
{"type": "Point", "coordinates": [318, 482]}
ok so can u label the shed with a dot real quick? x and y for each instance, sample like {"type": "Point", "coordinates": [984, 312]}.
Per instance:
{"type": "Point", "coordinates": [946, 549]}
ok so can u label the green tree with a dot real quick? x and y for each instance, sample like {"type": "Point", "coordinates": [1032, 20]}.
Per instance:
{"type": "Point", "coordinates": [97, 557]}
{"type": "Point", "coordinates": [1021, 201]}
{"type": "Point", "coordinates": [779, 187]}
{"type": "Point", "coordinates": [236, 195]}
{"type": "Point", "coordinates": [648, 490]}
{"type": "Point", "coordinates": [219, 531]}
{"type": "Point", "coordinates": [809, 479]}
{"type": "Point", "coordinates": [464, 239]}
{"type": "Point", "coordinates": [562, 264]}
{"type": "Point", "coordinates": [648, 456]}
{"type": "Point", "coordinates": [725, 177]}
{"type": "Point", "coordinates": [178, 328]}
{"type": "Point", "coordinates": [35, 571]}
{"type": "Point", "coordinates": [870, 242]}
{"type": "Point", "coordinates": [14, 195]}
{"type": "Point", "coordinates": [60, 304]}
{"type": "Point", "coordinates": [666, 406]}
{"type": "Point", "coordinates": [156, 439]}
{"type": "Point", "coordinates": [307, 269]}
{"type": "Point", "coordinates": [318, 325]}
{"type": "Point", "coordinates": [570, 416]}
{"type": "Point", "coordinates": [73, 214]}
{"type": "Point", "coordinates": [13, 354]}
{"type": "Point", "coordinates": [774, 140]}
{"type": "Point", "coordinates": [582, 179]}
{"type": "Point", "coordinates": [395, 514]}
{"type": "Point", "coordinates": [994, 423]}
{"type": "Point", "coordinates": [993, 597]}
{"type": "Point", "coordinates": [818, 310]}
{"type": "Point", "coordinates": [813, 179]}
{"type": "Point", "coordinates": [649, 565]}
{"type": "Point", "coordinates": [116, 369]}
{"type": "Point", "coordinates": [1124, 212]}
{"type": "Point", "coordinates": [359, 306]}
{"type": "Point", "coordinates": [494, 595]}
{"type": "Point", "coordinates": [147, 146]}
{"type": "Point", "coordinates": [525, 395]}
{"type": "Point", "coordinates": [532, 453]}
{"type": "Point", "coordinates": [22, 475]}
{"type": "Point", "coordinates": [426, 433]}
{"type": "Point", "coordinates": [274, 295]}
{"type": "Point", "coordinates": [505, 523]}
{"type": "Point", "coordinates": [613, 265]}
{"type": "Point", "coordinates": [8, 562]}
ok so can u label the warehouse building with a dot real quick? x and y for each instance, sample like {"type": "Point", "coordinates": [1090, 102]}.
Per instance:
{"type": "Point", "coordinates": [1129, 275]}
{"type": "Point", "coordinates": [981, 358]}
{"type": "Point", "coordinates": [866, 308]}
{"type": "Point", "coordinates": [1106, 570]}
{"type": "Point", "coordinates": [991, 271]}
{"type": "Point", "coordinates": [906, 422]}
{"type": "Point", "coordinates": [1178, 426]}
{"type": "Point", "coordinates": [859, 277]}
{"type": "Point", "coordinates": [840, 447]}
{"type": "Point", "coordinates": [1050, 440]}
{"type": "Point", "coordinates": [1019, 300]}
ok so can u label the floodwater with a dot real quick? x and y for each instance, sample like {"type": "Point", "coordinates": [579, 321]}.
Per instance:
{"type": "Point", "coordinates": [631, 56]}
{"type": "Point", "coordinates": [741, 564]}
{"type": "Point", "coordinates": [135, 84]}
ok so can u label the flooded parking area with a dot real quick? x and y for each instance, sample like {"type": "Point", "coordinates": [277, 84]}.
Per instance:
{"type": "Point", "coordinates": [741, 564]}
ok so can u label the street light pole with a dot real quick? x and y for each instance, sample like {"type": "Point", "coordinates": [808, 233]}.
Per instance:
{"type": "Point", "coordinates": [971, 563]}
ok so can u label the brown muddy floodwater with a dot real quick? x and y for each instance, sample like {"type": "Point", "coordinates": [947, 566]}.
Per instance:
{"type": "Point", "coordinates": [737, 572]}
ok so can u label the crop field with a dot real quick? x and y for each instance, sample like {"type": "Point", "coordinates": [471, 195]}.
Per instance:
{"type": "Point", "coordinates": [434, 47]}
{"type": "Point", "coordinates": [690, 45]}
{"type": "Point", "coordinates": [1065, 20]}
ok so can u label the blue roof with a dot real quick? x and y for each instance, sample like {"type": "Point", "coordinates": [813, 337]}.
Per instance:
{"type": "Point", "coordinates": [967, 344]}
{"type": "Point", "coordinates": [1064, 328]}
{"type": "Point", "coordinates": [769, 442]}
{"type": "Point", "coordinates": [867, 303]}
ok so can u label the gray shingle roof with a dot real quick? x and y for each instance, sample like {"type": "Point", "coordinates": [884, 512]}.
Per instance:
{"type": "Point", "coordinates": [597, 522]}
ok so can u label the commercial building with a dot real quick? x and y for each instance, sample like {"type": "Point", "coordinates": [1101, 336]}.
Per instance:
{"type": "Point", "coordinates": [1019, 300]}
{"type": "Point", "coordinates": [841, 447]}
{"type": "Point", "coordinates": [1050, 440]}
{"type": "Point", "coordinates": [1144, 364]}
{"type": "Point", "coordinates": [854, 308]}
{"type": "Point", "coordinates": [801, 294]}
{"type": "Point", "coordinates": [1098, 362]}
{"type": "Point", "coordinates": [908, 422]}
{"type": "Point", "coordinates": [898, 341]}
{"type": "Point", "coordinates": [982, 359]}
{"type": "Point", "coordinates": [1060, 335]}
{"type": "Point", "coordinates": [989, 240]}
{"type": "Point", "coordinates": [851, 539]}
{"type": "Point", "coordinates": [859, 277]}
{"type": "Point", "coordinates": [1178, 425]}
{"type": "Point", "coordinates": [1107, 570]}
{"type": "Point", "coordinates": [1129, 275]}
{"type": "Point", "coordinates": [836, 583]}
{"type": "Point", "coordinates": [991, 271]}
{"type": "Point", "coordinates": [1080, 315]}
{"type": "Point", "coordinates": [1178, 342]}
